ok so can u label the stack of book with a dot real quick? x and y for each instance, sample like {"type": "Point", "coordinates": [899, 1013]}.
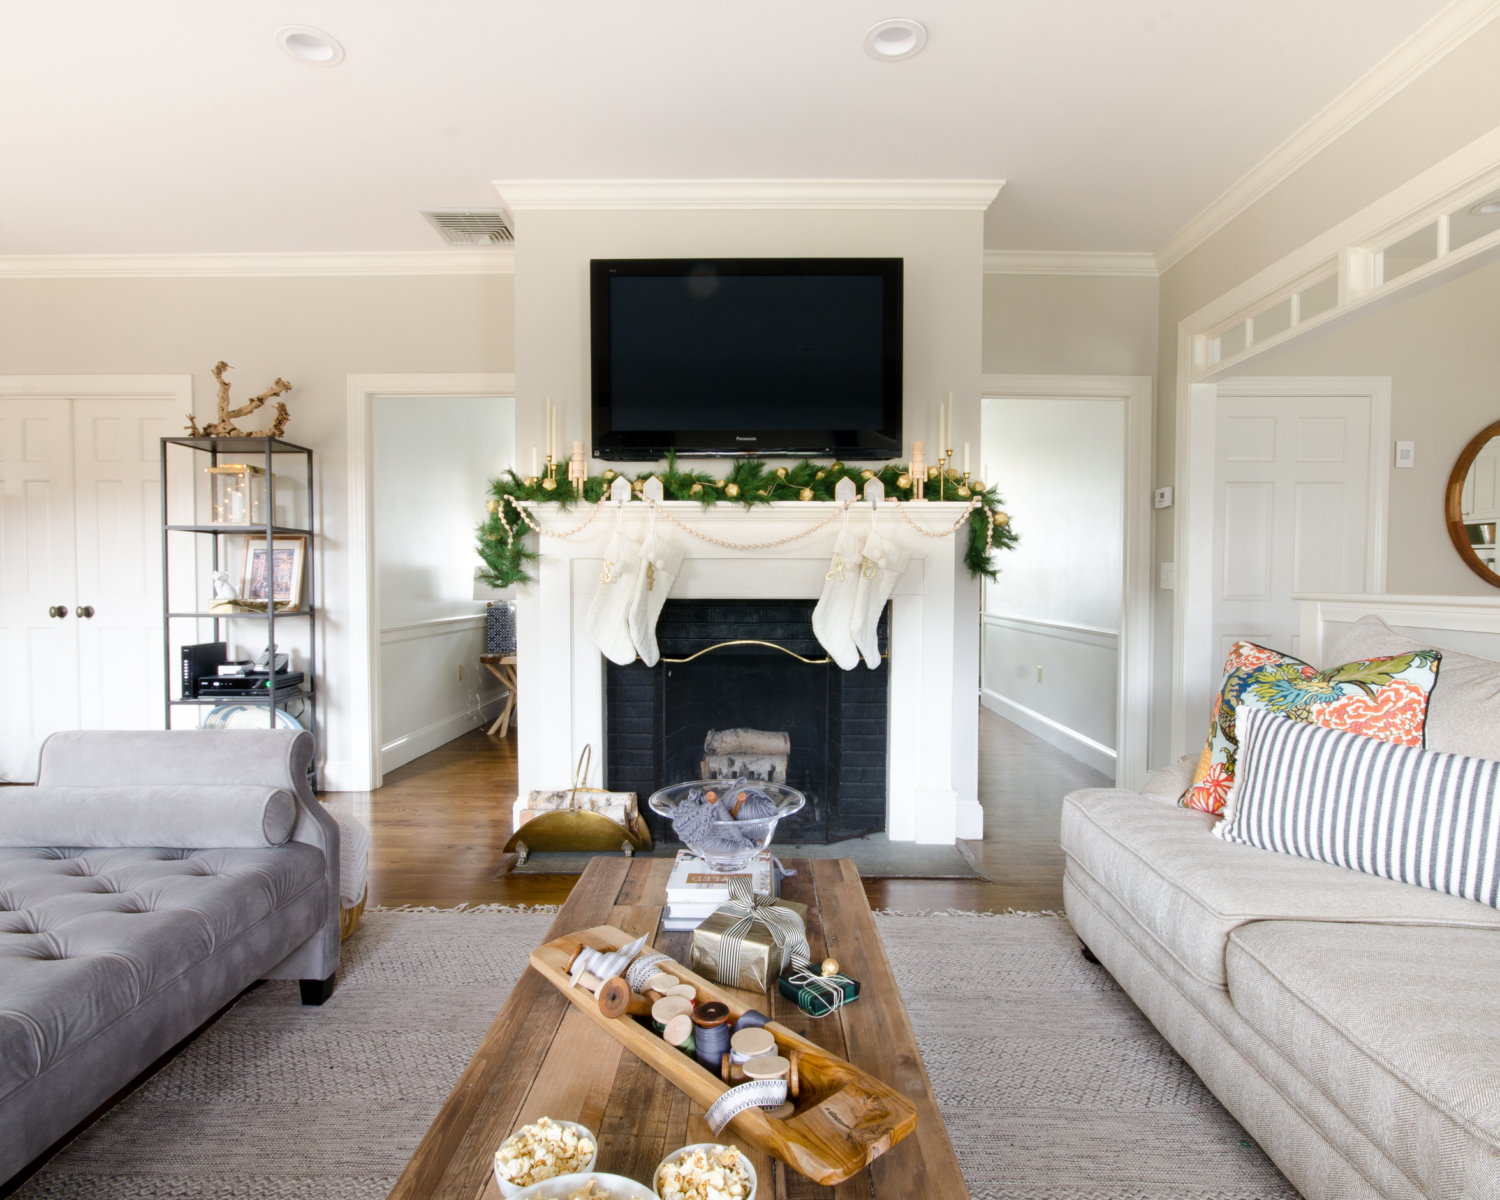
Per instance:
{"type": "Point", "coordinates": [694, 890]}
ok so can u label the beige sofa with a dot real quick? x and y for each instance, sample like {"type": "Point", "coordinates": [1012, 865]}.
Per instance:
{"type": "Point", "coordinates": [1351, 1024]}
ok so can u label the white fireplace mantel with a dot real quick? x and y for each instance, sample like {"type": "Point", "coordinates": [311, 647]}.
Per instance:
{"type": "Point", "coordinates": [932, 768]}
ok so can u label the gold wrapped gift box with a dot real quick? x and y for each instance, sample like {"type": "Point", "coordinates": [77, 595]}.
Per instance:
{"type": "Point", "coordinates": [760, 956]}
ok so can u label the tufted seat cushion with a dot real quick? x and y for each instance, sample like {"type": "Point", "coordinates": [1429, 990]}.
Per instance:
{"type": "Point", "coordinates": [88, 938]}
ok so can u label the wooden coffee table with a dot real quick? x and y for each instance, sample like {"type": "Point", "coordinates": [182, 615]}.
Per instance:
{"type": "Point", "coordinates": [542, 1057]}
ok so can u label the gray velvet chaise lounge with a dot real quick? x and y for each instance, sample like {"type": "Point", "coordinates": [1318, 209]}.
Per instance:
{"type": "Point", "coordinates": [145, 881]}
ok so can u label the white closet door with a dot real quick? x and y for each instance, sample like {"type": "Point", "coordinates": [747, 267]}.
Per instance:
{"type": "Point", "coordinates": [38, 652]}
{"type": "Point", "coordinates": [1291, 515]}
{"type": "Point", "coordinates": [117, 473]}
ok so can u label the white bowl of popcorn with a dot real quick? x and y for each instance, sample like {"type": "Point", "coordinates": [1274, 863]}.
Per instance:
{"type": "Point", "coordinates": [587, 1185]}
{"type": "Point", "coordinates": [705, 1171]}
{"type": "Point", "coordinates": [544, 1150]}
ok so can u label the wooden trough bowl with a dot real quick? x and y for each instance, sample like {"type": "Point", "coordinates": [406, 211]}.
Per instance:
{"type": "Point", "coordinates": [844, 1118]}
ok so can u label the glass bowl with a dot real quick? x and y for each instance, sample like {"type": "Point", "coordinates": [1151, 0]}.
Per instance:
{"type": "Point", "coordinates": [752, 836]}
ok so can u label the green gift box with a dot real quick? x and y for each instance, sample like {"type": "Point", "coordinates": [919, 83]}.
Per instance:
{"type": "Point", "coordinates": [817, 995]}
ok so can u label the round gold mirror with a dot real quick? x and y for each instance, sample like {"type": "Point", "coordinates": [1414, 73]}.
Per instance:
{"type": "Point", "coordinates": [1473, 504]}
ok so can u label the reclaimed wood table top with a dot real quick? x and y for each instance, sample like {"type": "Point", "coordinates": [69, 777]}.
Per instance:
{"type": "Point", "coordinates": [542, 1057]}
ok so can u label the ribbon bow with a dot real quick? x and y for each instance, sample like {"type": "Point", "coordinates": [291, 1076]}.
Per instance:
{"type": "Point", "coordinates": [750, 906]}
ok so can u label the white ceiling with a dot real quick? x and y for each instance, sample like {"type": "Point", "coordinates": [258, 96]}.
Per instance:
{"type": "Point", "coordinates": [159, 127]}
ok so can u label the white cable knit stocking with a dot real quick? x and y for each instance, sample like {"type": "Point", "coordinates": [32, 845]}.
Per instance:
{"type": "Point", "coordinates": [608, 619]}
{"type": "Point", "coordinates": [880, 567]}
{"type": "Point", "coordinates": [832, 617]}
{"type": "Point", "coordinates": [660, 563]}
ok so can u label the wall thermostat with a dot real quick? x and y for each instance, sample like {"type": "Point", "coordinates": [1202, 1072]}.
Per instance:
{"type": "Point", "coordinates": [1406, 454]}
{"type": "Point", "coordinates": [1164, 497]}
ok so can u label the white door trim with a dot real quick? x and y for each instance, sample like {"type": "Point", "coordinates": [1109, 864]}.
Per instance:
{"type": "Point", "coordinates": [362, 772]}
{"type": "Point", "coordinates": [1136, 593]}
{"type": "Point", "coordinates": [1193, 652]}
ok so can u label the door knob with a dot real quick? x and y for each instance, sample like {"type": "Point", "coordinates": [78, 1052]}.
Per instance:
{"type": "Point", "coordinates": [84, 610]}
{"type": "Point", "coordinates": [58, 610]}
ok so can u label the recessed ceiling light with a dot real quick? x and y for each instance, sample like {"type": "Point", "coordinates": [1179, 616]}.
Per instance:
{"type": "Point", "coordinates": [898, 38]}
{"type": "Point", "coordinates": [1487, 207]}
{"type": "Point", "coordinates": [309, 45]}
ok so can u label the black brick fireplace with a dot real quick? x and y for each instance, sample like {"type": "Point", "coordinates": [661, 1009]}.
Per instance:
{"type": "Point", "coordinates": [657, 717]}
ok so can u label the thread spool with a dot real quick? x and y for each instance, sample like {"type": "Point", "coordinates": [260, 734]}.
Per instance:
{"type": "Point", "coordinates": [751, 1019]}
{"type": "Point", "coordinates": [712, 1031]}
{"type": "Point", "coordinates": [678, 1032]}
{"type": "Point", "coordinates": [765, 1066]}
{"type": "Point", "coordinates": [745, 1044]}
{"type": "Point", "coordinates": [665, 1009]}
{"type": "Point", "coordinates": [616, 1000]}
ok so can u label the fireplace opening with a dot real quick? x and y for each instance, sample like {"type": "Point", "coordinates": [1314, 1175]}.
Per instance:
{"type": "Point", "coordinates": [657, 718]}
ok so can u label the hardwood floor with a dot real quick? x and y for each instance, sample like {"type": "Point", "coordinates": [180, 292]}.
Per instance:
{"type": "Point", "coordinates": [439, 825]}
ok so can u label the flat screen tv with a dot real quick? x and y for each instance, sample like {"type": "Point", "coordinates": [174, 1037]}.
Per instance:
{"type": "Point", "coordinates": [766, 356]}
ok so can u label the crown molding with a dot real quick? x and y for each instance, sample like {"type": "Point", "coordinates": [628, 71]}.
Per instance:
{"type": "Point", "coordinates": [1068, 262]}
{"type": "Point", "coordinates": [461, 260]}
{"type": "Point", "coordinates": [963, 195]}
{"type": "Point", "coordinates": [1450, 28]}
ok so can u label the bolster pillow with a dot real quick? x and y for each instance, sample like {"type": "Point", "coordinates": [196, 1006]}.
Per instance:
{"type": "Point", "coordinates": [175, 816]}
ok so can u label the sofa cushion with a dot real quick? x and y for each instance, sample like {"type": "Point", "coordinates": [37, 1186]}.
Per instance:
{"type": "Point", "coordinates": [1399, 1027]}
{"type": "Point", "coordinates": [87, 935]}
{"type": "Point", "coordinates": [1463, 713]}
{"type": "Point", "coordinates": [181, 816]}
{"type": "Point", "coordinates": [1190, 890]}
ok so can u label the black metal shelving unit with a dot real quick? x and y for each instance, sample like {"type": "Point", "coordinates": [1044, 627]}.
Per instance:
{"type": "Point", "coordinates": [239, 449]}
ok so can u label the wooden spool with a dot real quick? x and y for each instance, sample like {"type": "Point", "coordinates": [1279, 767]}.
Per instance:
{"type": "Point", "coordinates": [733, 1073]}
{"type": "Point", "coordinates": [617, 1000]}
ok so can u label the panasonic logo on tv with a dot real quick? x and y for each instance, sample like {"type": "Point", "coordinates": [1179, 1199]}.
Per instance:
{"type": "Point", "coordinates": [745, 439]}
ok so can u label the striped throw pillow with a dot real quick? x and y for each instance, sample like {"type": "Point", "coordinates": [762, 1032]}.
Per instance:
{"type": "Point", "coordinates": [1400, 812]}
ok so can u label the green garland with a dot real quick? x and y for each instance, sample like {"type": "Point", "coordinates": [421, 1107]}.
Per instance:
{"type": "Point", "coordinates": [749, 482]}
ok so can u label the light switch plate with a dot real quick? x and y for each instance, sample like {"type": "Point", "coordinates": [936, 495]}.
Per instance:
{"type": "Point", "coordinates": [1406, 454]}
{"type": "Point", "coordinates": [1168, 576]}
{"type": "Point", "coordinates": [1164, 497]}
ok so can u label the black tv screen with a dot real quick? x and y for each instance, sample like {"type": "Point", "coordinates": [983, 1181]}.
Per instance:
{"type": "Point", "coordinates": [796, 356]}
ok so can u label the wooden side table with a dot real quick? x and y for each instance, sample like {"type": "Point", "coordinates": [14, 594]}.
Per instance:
{"type": "Point", "coordinates": [503, 668]}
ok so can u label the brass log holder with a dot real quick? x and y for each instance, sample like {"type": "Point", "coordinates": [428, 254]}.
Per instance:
{"type": "Point", "coordinates": [578, 830]}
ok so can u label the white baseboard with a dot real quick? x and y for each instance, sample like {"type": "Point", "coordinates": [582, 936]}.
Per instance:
{"type": "Point", "coordinates": [1054, 733]}
{"type": "Point", "coordinates": [422, 741]}
{"type": "Point", "coordinates": [970, 820]}
{"type": "Point", "coordinates": [338, 776]}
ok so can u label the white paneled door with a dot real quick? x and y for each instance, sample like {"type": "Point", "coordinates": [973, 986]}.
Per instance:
{"type": "Point", "coordinates": [80, 570]}
{"type": "Point", "coordinates": [1292, 511]}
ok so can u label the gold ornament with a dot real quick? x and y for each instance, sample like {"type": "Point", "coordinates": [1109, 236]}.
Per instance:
{"type": "Point", "coordinates": [1001, 520]}
{"type": "Point", "coordinates": [953, 473]}
{"type": "Point", "coordinates": [696, 490]}
{"type": "Point", "coordinates": [805, 494]}
{"type": "Point", "coordinates": [830, 967]}
{"type": "Point", "coordinates": [608, 475]}
{"type": "Point", "coordinates": [493, 506]}
{"type": "Point", "coordinates": [731, 489]}
{"type": "Point", "coordinates": [718, 483]}
{"type": "Point", "coordinates": [903, 481]}
{"type": "Point", "coordinates": [837, 466]}
{"type": "Point", "coordinates": [963, 491]}
{"type": "Point", "coordinates": [550, 484]}
{"type": "Point", "coordinates": [638, 486]}
{"type": "Point", "coordinates": [821, 475]}
{"type": "Point", "coordinates": [932, 472]}
{"type": "Point", "coordinates": [867, 474]}
{"type": "Point", "coordinates": [780, 472]}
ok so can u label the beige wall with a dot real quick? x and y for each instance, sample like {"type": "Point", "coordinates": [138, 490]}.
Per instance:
{"type": "Point", "coordinates": [1069, 325]}
{"type": "Point", "coordinates": [311, 331]}
{"type": "Point", "coordinates": [1441, 350]}
{"type": "Point", "coordinates": [1443, 110]}
{"type": "Point", "coordinates": [943, 286]}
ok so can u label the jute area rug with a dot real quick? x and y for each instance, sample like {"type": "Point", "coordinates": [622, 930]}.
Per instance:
{"type": "Point", "coordinates": [1051, 1082]}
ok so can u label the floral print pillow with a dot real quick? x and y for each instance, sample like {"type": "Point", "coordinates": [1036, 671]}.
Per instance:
{"type": "Point", "coordinates": [1383, 698]}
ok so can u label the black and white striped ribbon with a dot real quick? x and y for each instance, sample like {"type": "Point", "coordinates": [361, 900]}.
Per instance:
{"type": "Point", "coordinates": [750, 906]}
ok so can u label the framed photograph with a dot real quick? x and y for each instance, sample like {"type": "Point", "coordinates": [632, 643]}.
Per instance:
{"type": "Point", "coordinates": [274, 573]}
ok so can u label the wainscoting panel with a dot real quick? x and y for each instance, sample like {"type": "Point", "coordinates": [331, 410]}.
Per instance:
{"type": "Point", "coordinates": [424, 703]}
{"type": "Point", "coordinates": [1073, 705]}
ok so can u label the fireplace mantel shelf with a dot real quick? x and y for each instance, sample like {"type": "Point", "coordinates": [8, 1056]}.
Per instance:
{"type": "Point", "coordinates": [932, 791]}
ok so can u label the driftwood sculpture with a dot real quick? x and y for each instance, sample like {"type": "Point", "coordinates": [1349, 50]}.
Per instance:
{"type": "Point", "coordinates": [225, 426]}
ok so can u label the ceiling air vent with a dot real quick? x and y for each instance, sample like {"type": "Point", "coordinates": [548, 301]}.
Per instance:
{"type": "Point", "coordinates": [472, 227]}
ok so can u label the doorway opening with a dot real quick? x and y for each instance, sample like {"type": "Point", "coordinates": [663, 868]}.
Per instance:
{"type": "Point", "coordinates": [432, 458]}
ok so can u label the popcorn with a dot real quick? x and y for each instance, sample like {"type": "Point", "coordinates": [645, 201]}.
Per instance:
{"type": "Point", "coordinates": [541, 1151]}
{"type": "Point", "coordinates": [712, 1174]}
{"type": "Point", "coordinates": [586, 1192]}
